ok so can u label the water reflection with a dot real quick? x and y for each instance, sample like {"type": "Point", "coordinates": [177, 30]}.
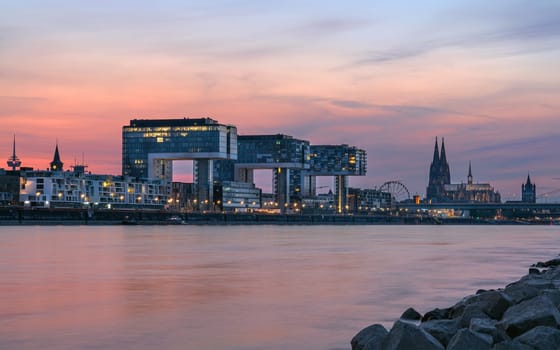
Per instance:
{"type": "Point", "coordinates": [255, 287]}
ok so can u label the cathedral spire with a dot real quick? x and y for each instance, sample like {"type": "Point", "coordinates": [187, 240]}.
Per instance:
{"type": "Point", "coordinates": [445, 173]}
{"type": "Point", "coordinates": [469, 177]}
{"type": "Point", "coordinates": [528, 179]}
{"type": "Point", "coordinates": [436, 153]}
{"type": "Point", "coordinates": [56, 164]}
{"type": "Point", "coordinates": [443, 158]}
{"type": "Point", "coordinates": [14, 161]}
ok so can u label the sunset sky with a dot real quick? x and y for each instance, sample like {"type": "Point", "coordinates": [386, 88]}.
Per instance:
{"type": "Point", "coordinates": [384, 76]}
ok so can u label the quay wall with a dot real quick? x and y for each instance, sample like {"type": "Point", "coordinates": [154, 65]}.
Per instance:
{"type": "Point", "coordinates": [80, 216]}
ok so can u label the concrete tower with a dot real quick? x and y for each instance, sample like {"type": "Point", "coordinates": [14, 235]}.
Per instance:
{"type": "Point", "coordinates": [14, 162]}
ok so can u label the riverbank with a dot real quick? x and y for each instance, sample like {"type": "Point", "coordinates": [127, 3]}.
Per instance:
{"type": "Point", "coordinates": [523, 315]}
{"type": "Point", "coordinates": [79, 216]}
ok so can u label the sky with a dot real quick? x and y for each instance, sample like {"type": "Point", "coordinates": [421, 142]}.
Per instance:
{"type": "Point", "coordinates": [385, 76]}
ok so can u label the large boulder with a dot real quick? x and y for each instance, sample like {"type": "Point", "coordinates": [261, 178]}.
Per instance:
{"type": "Point", "coordinates": [411, 315]}
{"type": "Point", "coordinates": [549, 263]}
{"type": "Point", "coordinates": [518, 292]}
{"type": "Point", "coordinates": [471, 311]}
{"type": "Point", "coordinates": [539, 282]}
{"type": "Point", "coordinates": [442, 330]}
{"type": "Point", "coordinates": [369, 338]}
{"type": "Point", "coordinates": [465, 339]}
{"type": "Point", "coordinates": [541, 338]}
{"type": "Point", "coordinates": [538, 311]}
{"type": "Point", "coordinates": [552, 273]}
{"type": "Point", "coordinates": [512, 345]}
{"type": "Point", "coordinates": [406, 336]}
{"type": "Point", "coordinates": [493, 303]}
{"type": "Point", "coordinates": [553, 295]}
{"type": "Point", "coordinates": [457, 310]}
{"type": "Point", "coordinates": [487, 327]}
{"type": "Point", "coordinates": [436, 314]}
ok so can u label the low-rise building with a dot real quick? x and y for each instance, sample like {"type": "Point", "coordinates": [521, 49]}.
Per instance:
{"type": "Point", "coordinates": [235, 197]}
{"type": "Point", "coordinates": [368, 199]}
{"type": "Point", "coordinates": [77, 189]}
{"type": "Point", "coordinates": [9, 187]}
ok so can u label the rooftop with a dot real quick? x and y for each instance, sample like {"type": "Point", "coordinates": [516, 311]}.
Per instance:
{"type": "Point", "coordinates": [172, 122]}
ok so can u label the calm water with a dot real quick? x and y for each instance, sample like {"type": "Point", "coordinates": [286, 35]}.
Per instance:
{"type": "Point", "coordinates": [242, 287]}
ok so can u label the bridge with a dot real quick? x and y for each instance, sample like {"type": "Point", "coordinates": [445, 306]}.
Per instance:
{"type": "Point", "coordinates": [518, 206]}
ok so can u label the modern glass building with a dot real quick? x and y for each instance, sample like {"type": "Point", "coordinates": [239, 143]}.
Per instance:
{"type": "Point", "coordinates": [150, 146]}
{"type": "Point", "coordinates": [339, 161]}
{"type": "Point", "coordinates": [328, 160]}
{"type": "Point", "coordinates": [237, 196]}
{"type": "Point", "coordinates": [282, 154]}
{"type": "Point", "coordinates": [272, 151]}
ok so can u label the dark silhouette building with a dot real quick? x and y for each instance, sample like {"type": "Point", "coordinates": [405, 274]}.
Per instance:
{"type": "Point", "coordinates": [439, 174]}
{"type": "Point", "coordinates": [56, 164]}
{"type": "Point", "coordinates": [528, 191]}
{"type": "Point", "coordinates": [440, 188]}
{"type": "Point", "coordinates": [471, 192]}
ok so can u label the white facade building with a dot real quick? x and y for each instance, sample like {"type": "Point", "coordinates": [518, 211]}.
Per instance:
{"type": "Point", "coordinates": [76, 189]}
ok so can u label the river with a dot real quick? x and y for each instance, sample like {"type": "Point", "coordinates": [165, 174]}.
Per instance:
{"type": "Point", "coordinates": [242, 287]}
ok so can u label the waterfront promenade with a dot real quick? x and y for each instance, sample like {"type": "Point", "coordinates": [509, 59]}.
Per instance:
{"type": "Point", "coordinates": [78, 216]}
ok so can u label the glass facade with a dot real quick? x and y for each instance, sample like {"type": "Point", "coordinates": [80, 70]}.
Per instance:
{"type": "Point", "coordinates": [367, 200]}
{"type": "Point", "coordinates": [237, 196]}
{"type": "Point", "coordinates": [150, 145]}
{"type": "Point", "coordinates": [269, 151]}
{"type": "Point", "coordinates": [337, 160]}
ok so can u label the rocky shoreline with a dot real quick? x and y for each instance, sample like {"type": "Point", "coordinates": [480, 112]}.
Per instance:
{"type": "Point", "coordinates": [522, 316]}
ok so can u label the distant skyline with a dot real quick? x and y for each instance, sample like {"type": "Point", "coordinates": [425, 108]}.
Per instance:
{"type": "Point", "coordinates": [387, 77]}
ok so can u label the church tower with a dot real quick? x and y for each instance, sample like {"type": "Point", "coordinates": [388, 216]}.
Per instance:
{"type": "Point", "coordinates": [56, 164]}
{"type": "Point", "coordinates": [439, 174]}
{"type": "Point", "coordinates": [528, 191]}
{"type": "Point", "coordinates": [445, 174]}
{"type": "Point", "coordinates": [469, 176]}
{"type": "Point", "coordinates": [14, 162]}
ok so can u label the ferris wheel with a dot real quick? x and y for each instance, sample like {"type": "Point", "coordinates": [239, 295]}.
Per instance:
{"type": "Point", "coordinates": [399, 192]}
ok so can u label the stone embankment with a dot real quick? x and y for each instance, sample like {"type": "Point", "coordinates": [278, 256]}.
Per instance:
{"type": "Point", "coordinates": [522, 316]}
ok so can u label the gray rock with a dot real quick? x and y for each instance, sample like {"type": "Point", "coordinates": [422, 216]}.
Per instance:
{"type": "Point", "coordinates": [541, 338]}
{"type": "Point", "coordinates": [534, 271]}
{"type": "Point", "coordinates": [549, 263]}
{"type": "Point", "coordinates": [553, 295]}
{"type": "Point", "coordinates": [436, 314]}
{"type": "Point", "coordinates": [512, 345]}
{"type": "Point", "coordinates": [406, 336]}
{"type": "Point", "coordinates": [470, 312]}
{"type": "Point", "coordinates": [411, 314]}
{"type": "Point", "coordinates": [442, 330]}
{"type": "Point", "coordinates": [457, 310]}
{"type": "Point", "coordinates": [465, 339]}
{"type": "Point", "coordinates": [369, 338]}
{"type": "Point", "coordinates": [538, 311]}
{"type": "Point", "coordinates": [552, 273]}
{"type": "Point", "coordinates": [487, 326]}
{"type": "Point", "coordinates": [518, 292]}
{"type": "Point", "coordinates": [492, 303]}
{"type": "Point", "coordinates": [537, 281]}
